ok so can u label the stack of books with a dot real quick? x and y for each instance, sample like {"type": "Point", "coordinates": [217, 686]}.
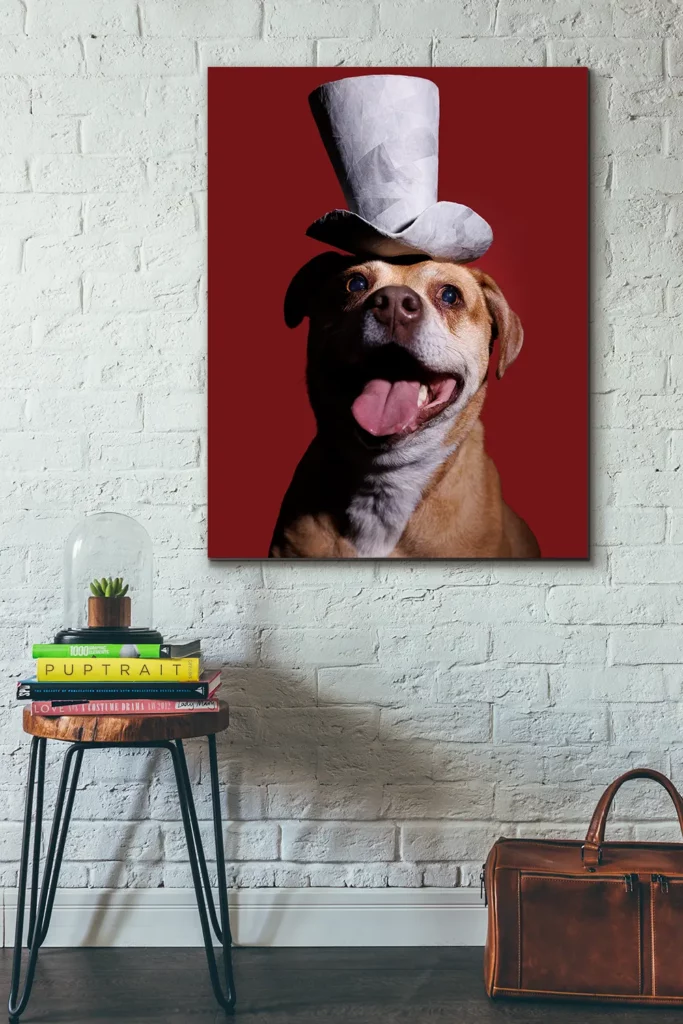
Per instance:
{"type": "Point", "coordinates": [119, 679]}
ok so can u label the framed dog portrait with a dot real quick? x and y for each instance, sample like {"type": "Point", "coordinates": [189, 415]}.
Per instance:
{"type": "Point", "coordinates": [398, 313]}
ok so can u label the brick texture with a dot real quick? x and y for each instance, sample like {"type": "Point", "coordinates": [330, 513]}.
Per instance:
{"type": "Point", "coordinates": [389, 721]}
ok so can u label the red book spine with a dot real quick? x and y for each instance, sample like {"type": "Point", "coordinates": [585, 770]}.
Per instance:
{"type": "Point", "coordinates": [123, 707]}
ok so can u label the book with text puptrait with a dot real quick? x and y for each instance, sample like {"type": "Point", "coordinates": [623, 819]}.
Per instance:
{"type": "Point", "coordinates": [124, 670]}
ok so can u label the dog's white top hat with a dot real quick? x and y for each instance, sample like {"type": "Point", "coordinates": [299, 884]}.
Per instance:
{"type": "Point", "coordinates": [381, 133]}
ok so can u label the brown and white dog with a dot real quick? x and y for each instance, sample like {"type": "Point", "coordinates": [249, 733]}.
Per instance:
{"type": "Point", "coordinates": [398, 352]}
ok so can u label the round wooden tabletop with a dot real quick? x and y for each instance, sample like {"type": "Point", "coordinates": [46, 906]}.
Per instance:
{"type": "Point", "coordinates": [126, 728]}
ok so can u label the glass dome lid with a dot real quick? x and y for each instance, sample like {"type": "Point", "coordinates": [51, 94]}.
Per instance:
{"type": "Point", "coordinates": [108, 578]}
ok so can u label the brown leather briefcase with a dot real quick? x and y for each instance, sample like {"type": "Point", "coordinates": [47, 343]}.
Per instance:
{"type": "Point", "coordinates": [589, 920]}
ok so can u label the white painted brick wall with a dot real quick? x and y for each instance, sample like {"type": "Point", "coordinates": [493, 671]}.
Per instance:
{"type": "Point", "coordinates": [390, 721]}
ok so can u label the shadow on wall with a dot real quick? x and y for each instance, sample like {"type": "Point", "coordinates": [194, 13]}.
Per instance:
{"type": "Point", "coordinates": [107, 920]}
{"type": "Point", "coordinates": [320, 774]}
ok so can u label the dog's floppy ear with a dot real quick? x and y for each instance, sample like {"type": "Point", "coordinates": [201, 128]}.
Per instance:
{"type": "Point", "coordinates": [506, 327]}
{"type": "Point", "coordinates": [307, 281]}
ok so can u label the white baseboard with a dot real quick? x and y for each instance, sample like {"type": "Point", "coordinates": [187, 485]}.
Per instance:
{"type": "Point", "coordinates": [265, 917]}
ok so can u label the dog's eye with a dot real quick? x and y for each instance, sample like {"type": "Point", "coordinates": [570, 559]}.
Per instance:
{"type": "Point", "coordinates": [450, 295]}
{"type": "Point", "coordinates": [357, 283]}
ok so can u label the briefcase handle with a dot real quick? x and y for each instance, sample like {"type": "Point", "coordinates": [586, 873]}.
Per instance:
{"type": "Point", "coordinates": [591, 851]}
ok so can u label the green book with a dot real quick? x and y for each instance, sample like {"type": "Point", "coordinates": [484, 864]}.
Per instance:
{"type": "Point", "coordinates": [187, 650]}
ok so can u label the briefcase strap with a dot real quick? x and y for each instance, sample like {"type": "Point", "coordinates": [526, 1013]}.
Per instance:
{"type": "Point", "coordinates": [591, 852]}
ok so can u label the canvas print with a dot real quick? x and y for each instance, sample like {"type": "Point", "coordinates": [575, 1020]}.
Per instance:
{"type": "Point", "coordinates": [398, 313]}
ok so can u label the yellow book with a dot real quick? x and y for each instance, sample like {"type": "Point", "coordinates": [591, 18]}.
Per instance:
{"type": "Point", "coordinates": [118, 670]}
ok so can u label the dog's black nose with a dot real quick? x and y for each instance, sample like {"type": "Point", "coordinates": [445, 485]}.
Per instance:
{"type": "Point", "coordinates": [397, 307]}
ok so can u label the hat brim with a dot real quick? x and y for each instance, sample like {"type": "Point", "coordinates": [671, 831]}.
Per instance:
{"type": "Point", "coordinates": [446, 231]}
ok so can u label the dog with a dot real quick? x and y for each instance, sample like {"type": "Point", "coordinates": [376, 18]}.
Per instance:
{"type": "Point", "coordinates": [398, 354]}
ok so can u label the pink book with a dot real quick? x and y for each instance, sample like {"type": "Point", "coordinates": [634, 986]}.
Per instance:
{"type": "Point", "coordinates": [123, 707]}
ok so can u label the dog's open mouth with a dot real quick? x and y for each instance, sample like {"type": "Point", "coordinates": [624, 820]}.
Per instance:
{"type": "Point", "coordinates": [402, 395]}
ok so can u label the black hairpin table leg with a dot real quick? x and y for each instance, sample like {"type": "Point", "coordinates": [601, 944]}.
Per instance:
{"type": "Point", "coordinates": [40, 907]}
{"type": "Point", "coordinates": [200, 874]}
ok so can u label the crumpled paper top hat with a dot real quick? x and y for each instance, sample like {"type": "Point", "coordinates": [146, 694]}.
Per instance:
{"type": "Point", "coordinates": [381, 133]}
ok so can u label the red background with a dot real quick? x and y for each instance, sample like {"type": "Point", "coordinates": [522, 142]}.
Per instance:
{"type": "Point", "coordinates": [513, 146]}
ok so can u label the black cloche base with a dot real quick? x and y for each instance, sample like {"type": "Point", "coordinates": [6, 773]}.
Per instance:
{"type": "Point", "coordinates": [108, 635]}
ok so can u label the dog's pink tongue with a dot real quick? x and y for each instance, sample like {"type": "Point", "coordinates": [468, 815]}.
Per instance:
{"type": "Point", "coordinates": [386, 407]}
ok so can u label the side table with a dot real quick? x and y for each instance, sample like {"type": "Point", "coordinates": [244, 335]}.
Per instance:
{"type": "Point", "coordinates": [165, 732]}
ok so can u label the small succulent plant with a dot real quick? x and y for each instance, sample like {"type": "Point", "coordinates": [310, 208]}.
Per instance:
{"type": "Point", "coordinates": [109, 587]}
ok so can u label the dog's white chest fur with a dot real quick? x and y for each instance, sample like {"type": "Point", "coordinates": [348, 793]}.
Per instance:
{"type": "Point", "coordinates": [390, 492]}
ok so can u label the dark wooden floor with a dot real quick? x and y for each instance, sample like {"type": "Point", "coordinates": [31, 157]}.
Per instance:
{"type": "Point", "coordinates": [288, 986]}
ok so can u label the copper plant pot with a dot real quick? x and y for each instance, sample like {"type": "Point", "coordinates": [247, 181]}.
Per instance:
{"type": "Point", "coordinates": [109, 611]}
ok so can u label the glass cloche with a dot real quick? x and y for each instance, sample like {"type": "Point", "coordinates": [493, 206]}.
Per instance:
{"type": "Point", "coordinates": [108, 577]}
